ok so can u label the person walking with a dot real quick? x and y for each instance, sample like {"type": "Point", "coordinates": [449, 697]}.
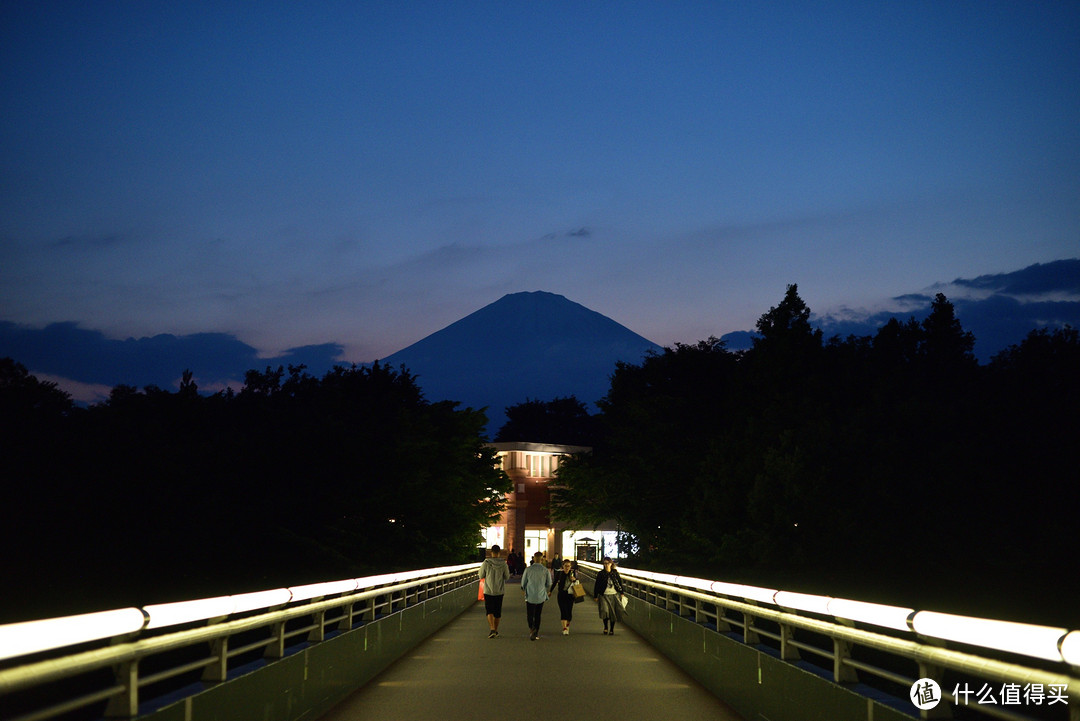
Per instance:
{"type": "Point", "coordinates": [494, 571]}
{"type": "Point", "coordinates": [536, 582]}
{"type": "Point", "coordinates": [564, 581]}
{"type": "Point", "coordinates": [609, 591]}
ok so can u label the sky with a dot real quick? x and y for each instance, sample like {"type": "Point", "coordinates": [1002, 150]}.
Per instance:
{"type": "Point", "coordinates": [356, 176]}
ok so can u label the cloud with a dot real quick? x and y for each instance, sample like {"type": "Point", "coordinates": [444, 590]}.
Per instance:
{"type": "Point", "coordinates": [999, 309]}
{"type": "Point", "coordinates": [1060, 278]}
{"type": "Point", "coordinates": [86, 363]}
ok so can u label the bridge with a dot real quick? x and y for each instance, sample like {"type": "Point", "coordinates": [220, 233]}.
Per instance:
{"type": "Point", "coordinates": [415, 644]}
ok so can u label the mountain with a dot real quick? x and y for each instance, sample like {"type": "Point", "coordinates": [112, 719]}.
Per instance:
{"type": "Point", "coordinates": [523, 346]}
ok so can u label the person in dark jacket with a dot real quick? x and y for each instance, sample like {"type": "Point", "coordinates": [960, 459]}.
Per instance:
{"type": "Point", "coordinates": [564, 581]}
{"type": "Point", "coordinates": [609, 591]}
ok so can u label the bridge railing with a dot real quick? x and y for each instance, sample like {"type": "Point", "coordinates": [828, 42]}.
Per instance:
{"type": "Point", "coordinates": [1032, 661]}
{"type": "Point", "coordinates": [53, 667]}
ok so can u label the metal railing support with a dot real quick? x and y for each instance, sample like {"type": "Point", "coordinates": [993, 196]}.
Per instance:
{"type": "Point", "coordinates": [346, 622]}
{"type": "Point", "coordinates": [788, 651]}
{"type": "Point", "coordinates": [126, 703]}
{"type": "Point", "coordinates": [319, 632]}
{"type": "Point", "coordinates": [276, 647]}
{"type": "Point", "coordinates": [219, 670]}
{"type": "Point", "coordinates": [750, 634]}
{"type": "Point", "coordinates": [942, 710]}
{"type": "Point", "coordinates": [843, 673]}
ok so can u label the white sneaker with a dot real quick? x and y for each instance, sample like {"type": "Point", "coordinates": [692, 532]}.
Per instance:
{"type": "Point", "coordinates": [566, 632]}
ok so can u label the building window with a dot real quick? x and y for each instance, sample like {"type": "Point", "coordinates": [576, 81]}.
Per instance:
{"type": "Point", "coordinates": [493, 536]}
{"type": "Point", "coordinates": [535, 541]}
{"type": "Point", "coordinates": [540, 465]}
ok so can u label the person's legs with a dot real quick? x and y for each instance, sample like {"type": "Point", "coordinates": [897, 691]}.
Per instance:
{"type": "Point", "coordinates": [493, 606]}
{"type": "Point", "coordinates": [532, 611]}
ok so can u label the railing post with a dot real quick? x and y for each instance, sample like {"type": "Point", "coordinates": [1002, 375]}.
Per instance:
{"type": "Point", "coordinates": [750, 636]}
{"type": "Point", "coordinates": [125, 704]}
{"type": "Point", "coordinates": [219, 670]}
{"type": "Point", "coordinates": [319, 632]}
{"type": "Point", "coordinates": [788, 652]}
{"type": "Point", "coordinates": [346, 619]}
{"type": "Point", "coordinates": [842, 673]}
{"type": "Point", "coordinates": [276, 648]}
{"type": "Point", "coordinates": [722, 624]}
{"type": "Point", "coordinates": [942, 710]}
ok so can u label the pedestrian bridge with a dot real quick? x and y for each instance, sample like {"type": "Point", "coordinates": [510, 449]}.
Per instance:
{"type": "Point", "coordinates": [414, 645]}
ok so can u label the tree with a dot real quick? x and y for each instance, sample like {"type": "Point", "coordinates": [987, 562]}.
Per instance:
{"type": "Point", "coordinates": [656, 419]}
{"type": "Point", "coordinates": [786, 328]}
{"type": "Point", "coordinates": [23, 396]}
{"type": "Point", "coordinates": [564, 421]}
{"type": "Point", "coordinates": [294, 479]}
{"type": "Point", "coordinates": [946, 348]}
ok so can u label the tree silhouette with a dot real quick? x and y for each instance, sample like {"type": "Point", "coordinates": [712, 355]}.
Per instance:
{"type": "Point", "coordinates": [872, 453]}
{"type": "Point", "coordinates": [561, 420]}
{"type": "Point", "coordinates": [293, 479]}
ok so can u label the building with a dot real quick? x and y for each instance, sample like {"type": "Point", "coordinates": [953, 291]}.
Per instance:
{"type": "Point", "coordinates": [526, 524]}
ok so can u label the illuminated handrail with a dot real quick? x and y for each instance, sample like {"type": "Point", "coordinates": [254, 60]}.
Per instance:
{"type": "Point", "coordinates": [20, 639]}
{"type": "Point", "coordinates": [1045, 642]}
{"type": "Point", "coordinates": [922, 632]}
{"type": "Point", "coordinates": [218, 618]}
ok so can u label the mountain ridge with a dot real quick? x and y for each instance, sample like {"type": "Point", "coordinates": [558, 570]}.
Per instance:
{"type": "Point", "coordinates": [528, 345]}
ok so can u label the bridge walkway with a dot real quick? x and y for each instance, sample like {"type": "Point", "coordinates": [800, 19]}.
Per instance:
{"type": "Point", "coordinates": [460, 674]}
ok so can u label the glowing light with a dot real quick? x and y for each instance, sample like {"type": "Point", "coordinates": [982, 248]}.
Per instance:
{"type": "Point", "coordinates": [1070, 648]}
{"type": "Point", "coordinates": [648, 575]}
{"type": "Point", "coordinates": [698, 583]}
{"type": "Point", "coordinates": [1022, 638]}
{"type": "Point", "coordinates": [763, 595]}
{"type": "Point", "coordinates": [19, 639]}
{"type": "Point", "coordinates": [372, 581]}
{"type": "Point", "coordinates": [802, 601]}
{"type": "Point", "coordinates": [874, 613]}
{"type": "Point", "coordinates": [171, 614]}
{"type": "Point", "coordinates": [261, 599]}
{"type": "Point", "coordinates": [316, 590]}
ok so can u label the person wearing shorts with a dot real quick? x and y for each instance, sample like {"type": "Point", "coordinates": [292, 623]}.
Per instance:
{"type": "Point", "coordinates": [494, 572]}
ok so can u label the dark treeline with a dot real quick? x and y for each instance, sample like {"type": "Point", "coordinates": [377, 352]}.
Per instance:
{"type": "Point", "coordinates": [156, 495]}
{"type": "Point", "coordinates": [894, 460]}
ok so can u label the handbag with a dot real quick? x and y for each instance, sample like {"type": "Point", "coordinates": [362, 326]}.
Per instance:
{"type": "Point", "coordinates": [578, 590]}
{"type": "Point", "coordinates": [623, 600]}
{"type": "Point", "coordinates": [480, 596]}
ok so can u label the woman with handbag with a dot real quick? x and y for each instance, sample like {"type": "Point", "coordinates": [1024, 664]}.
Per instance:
{"type": "Point", "coordinates": [609, 592]}
{"type": "Point", "coordinates": [565, 580]}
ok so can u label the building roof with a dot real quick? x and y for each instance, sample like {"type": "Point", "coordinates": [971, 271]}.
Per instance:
{"type": "Point", "coordinates": [539, 447]}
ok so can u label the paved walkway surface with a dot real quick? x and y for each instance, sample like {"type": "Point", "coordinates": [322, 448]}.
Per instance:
{"type": "Point", "coordinates": [459, 673]}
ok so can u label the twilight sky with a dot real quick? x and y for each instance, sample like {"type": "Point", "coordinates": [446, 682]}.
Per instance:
{"type": "Point", "coordinates": [365, 173]}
